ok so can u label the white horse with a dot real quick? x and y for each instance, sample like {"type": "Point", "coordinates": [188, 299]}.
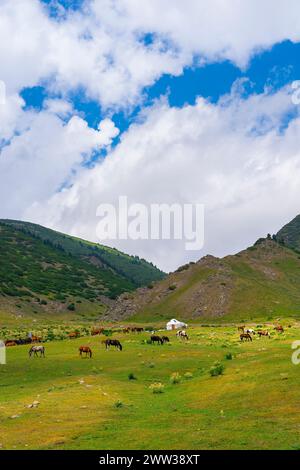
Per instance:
{"type": "Point", "coordinates": [250, 331]}
{"type": "Point", "coordinates": [182, 334]}
{"type": "Point", "coordinates": [37, 349]}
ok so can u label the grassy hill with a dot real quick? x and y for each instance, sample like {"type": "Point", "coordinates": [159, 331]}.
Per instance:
{"type": "Point", "coordinates": [45, 271]}
{"type": "Point", "coordinates": [260, 282]}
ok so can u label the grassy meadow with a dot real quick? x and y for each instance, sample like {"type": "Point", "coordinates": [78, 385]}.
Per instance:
{"type": "Point", "coordinates": [109, 401]}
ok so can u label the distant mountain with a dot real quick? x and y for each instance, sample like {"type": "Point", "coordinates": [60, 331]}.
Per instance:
{"type": "Point", "coordinates": [262, 281]}
{"type": "Point", "coordinates": [41, 268]}
{"type": "Point", "coordinates": [290, 234]}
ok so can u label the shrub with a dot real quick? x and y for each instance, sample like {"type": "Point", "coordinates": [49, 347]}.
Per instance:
{"type": "Point", "coordinates": [228, 356]}
{"type": "Point", "coordinates": [188, 375]}
{"type": "Point", "coordinates": [216, 369]}
{"type": "Point", "coordinates": [118, 404]}
{"type": "Point", "coordinates": [175, 378]}
{"type": "Point", "coordinates": [131, 376]}
{"type": "Point", "coordinates": [172, 287]}
{"type": "Point", "coordinates": [157, 387]}
{"type": "Point", "coordinates": [71, 307]}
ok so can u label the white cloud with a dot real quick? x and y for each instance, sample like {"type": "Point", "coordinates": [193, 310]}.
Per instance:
{"type": "Point", "coordinates": [47, 154]}
{"type": "Point", "coordinates": [100, 48]}
{"type": "Point", "coordinates": [204, 153]}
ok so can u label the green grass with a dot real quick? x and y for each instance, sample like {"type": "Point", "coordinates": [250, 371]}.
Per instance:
{"type": "Point", "coordinates": [91, 403]}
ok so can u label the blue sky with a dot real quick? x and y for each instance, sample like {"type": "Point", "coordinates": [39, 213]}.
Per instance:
{"type": "Point", "coordinates": [274, 68]}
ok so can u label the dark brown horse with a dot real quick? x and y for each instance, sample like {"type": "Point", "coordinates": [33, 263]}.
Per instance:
{"type": "Point", "coordinates": [246, 337]}
{"type": "Point", "coordinates": [137, 329]}
{"type": "Point", "coordinates": [241, 328]}
{"type": "Point", "coordinates": [85, 349]}
{"type": "Point", "coordinates": [165, 339]}
{"type": "Point", "coordinates": [156, 339]}
{"type": "Point", "coordinates": [112, 342]}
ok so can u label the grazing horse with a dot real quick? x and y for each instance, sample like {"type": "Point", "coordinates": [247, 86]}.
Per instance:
{"type": "Point", "coordinates": [279, 329]}
{"type": "Point", "coordinates": [250, 331]}
{"type": "Point", "coordinates": [85, 349]}
{"type": "Point", "coordinates": [165, 339]}
{"type": "Point", "coordinates": [73, 335]}
{"type": "Point", "coordinates": [245, 336]}
{"type": "Point", "coordinates": [182, 334]}
{"type": "Point", "coordinates": [137, 329]}
{"type": "Point", "coordinates": [263, 333]}
{"type": "Point", "coordinates": [97, 331]}
{"type": "Point", "coordinates": [126, 330]}
{"type": "Point", "coordinates": [37, 349]}
{"type": "Point", "coordinates": [10, 342]}
{"type": "Point", "coordinates": [241, 328]}
{"type": "Point", "coordinates": [112, 342]}
{"type": "Point", "coordinates": [156, 339]}
{"type": "Point", "coordinates": [36, 339]}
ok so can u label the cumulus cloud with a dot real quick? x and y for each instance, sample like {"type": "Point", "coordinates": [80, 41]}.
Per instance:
{"type": "Point", "coordinates": [101, 47]}
{"type": "Point", "coordinates": [46, 155]}
{"type": "Point", "coordinates": [209, 154]}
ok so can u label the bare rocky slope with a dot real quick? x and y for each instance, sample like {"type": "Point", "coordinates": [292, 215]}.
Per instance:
{"type": "Point", "coordinates": [261, 281]}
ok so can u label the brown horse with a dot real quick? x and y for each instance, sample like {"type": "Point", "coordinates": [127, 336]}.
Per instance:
{"type": "Point", "coordinates": [126, 330]}
{"type": "Point", "coordinates": [263, 333]}
{"type": "Point", "coordinates": [112, 342]}
{"type": "Point", "coordinates": [10, 342]}
{"type": "Point", "coordinates": [156, 339]}
{"type": "Point", "coordinates": [165, 339]}
{"type": "Point", "coordinates": [85, 349]}
{"type": "Point", "coordinates": [241, 328]}
{"type": "Point", "coordinates": [97, 331]}
{"type": "Point", "coordinates": [279, 329]}
{"type": "Point", "coordinates": [73, 335]}
{"type": "Point", "coordinates": [245, 336]}
{"type": "Point", "coordinates": [36, 339]}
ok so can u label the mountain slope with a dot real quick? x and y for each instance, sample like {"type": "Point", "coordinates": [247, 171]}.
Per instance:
{"type": "Point", "coordinates": [138, 271]}
{"type": "Point", "coordinates": [42, 270]}
{"type": "Point", "coordinates": [262, 281]}
{"type": "Point", "coordinates": [290, 234]}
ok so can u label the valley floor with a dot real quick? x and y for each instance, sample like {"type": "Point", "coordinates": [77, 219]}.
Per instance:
{"type": "Point", "coordinates": [92, 404]}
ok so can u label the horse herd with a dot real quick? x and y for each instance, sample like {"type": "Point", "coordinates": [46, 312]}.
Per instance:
{"type": "Point", "coordinates": [85, 351]}
{"type": "Point", "coordinates": [247, 332]}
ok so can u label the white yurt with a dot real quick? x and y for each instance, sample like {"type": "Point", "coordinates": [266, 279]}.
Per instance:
{"type": "Point", "coordinates": [175, 324]}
